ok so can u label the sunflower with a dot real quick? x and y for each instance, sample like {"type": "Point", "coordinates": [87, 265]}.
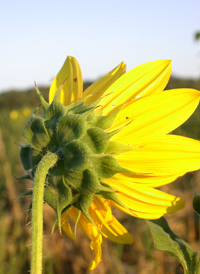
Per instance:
{"type": "Point", "coordinates": [115, 142]}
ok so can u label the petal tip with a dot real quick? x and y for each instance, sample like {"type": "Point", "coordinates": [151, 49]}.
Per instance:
{"type": "Point", "coordinates": [177, 204]}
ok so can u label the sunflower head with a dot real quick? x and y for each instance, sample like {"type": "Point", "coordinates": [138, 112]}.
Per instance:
{"type": "Point", "coordinates": [113, 147]}
{"type": "Point", "coordinates": [77, 134]}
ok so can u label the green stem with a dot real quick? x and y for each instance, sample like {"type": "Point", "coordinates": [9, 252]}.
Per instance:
{"type": "Point", "coordinates": [44, 165]}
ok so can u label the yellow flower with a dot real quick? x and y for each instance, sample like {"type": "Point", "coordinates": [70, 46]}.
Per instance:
{"type": "Point", "coordinates": [27, 112]}
{"type": "Point", "coordinates": [14, 114]}
{"type": "Point", "coordinates": [141, 143]}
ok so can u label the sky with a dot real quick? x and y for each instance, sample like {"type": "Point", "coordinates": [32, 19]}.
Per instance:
{"type": "Point", "coordinates": [37, 36]}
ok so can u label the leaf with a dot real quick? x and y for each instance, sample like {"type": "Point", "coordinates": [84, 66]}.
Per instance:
{"type": "Point", "coordinates": [165, 240]}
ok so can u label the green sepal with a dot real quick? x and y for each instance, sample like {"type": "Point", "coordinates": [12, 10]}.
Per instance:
{"type": "Point", "coordinates": [30, 157]}
{"type": "Point", "coordinates": [24, 177]}
{"type": "Point", "coordinates": [167, 241]}
{"type": "Point", "coordinates": [96, 139]}
{"type": "Point", "coordinates": [80, 106]}
{"type": "Point", "coordinates": [86, 182]}
{"type": "Point", "coordinates": [52, 115]}
{"type": "Point", "coordinates": [91, 183]}
{"type": "Point", "coordinates": [74, 178]}
{"type": "Point", "coordinates": [42, 100]}
{"type": "Point", "coordinates": [117, 148]}
{"type": "Point", "coordinates": [70, 127]}
{"type": "Point", "coordinates": [28, 211]}
{"type": "Point", "coordinates": [77, 155]}
{"type": "Point", "coordinates": [111, 196]}
{"type": "Point", "coordinates": [35, 133]}
{"type": "Point", "coordinates": [107, 166]}
{"type": "Point", "coordinates": [76, 222]}
{"type": "Point", "coordinates": [56, 220]}
{"type": "Point", "coordinates": [25, 157]}
{"type": "Point", "coordinates": [76, 105]}
{"type": "Point", "coordinates": [54, 225]}
{"type": "Point", "coordinates": [58, 195]}
{"type": "Point", "coordinates": [105, 122]}
{"type": "Point", "coordinates": [83, 203]}
{"type": "Point", "coordinates": [25, 194]}
{"type": "Point", "coordinates": [90, 116]}
{"type": "Point", "coordinates": [85, 108]}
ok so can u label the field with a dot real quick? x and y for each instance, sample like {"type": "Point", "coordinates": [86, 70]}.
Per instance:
{"type": "Point", "coordinates": [61, 254]}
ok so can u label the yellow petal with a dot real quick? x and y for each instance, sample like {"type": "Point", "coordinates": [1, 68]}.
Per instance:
{"type": "Point", "coordinates": [143, 80]}
{"type": "Point", "coordinates": [142, 200]}
{"type": "Point", "coordinates": [147, 195]}
{"type": "Point", "coordinates": [167, 155]}
{"type": "Point", "coordinates": [144, 179]}
{"type": "Point", "coordinates": [93, 234]}
{"type": "Point", "coordinates": [71, 77]}
{"type": "Point", "coordinates": [154, 116]}
{"type": "Point", "coordinates": [99, 87]}
{"type": "Point", "coordinates": [66, 226]}
{"type": "Point", "coordinates": [96, 246]}
{"type": "Point", "coordinates": [139, 214]}
{"type": "Point", "coordinates": [109, 226]}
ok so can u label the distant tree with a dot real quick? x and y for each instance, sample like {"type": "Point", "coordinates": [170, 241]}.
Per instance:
{"type": "Point", "coordinates": [197, 35]}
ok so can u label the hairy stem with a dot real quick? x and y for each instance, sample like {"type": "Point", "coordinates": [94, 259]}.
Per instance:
{"type": "Point", "coordinates": [44, 165]}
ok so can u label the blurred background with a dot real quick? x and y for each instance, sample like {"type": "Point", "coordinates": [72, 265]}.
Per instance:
{"type": "Point", "coordinates": [36, 37]}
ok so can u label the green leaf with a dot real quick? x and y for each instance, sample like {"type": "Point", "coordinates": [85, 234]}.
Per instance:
{"type": "Point", "coordinates": [165, 240]}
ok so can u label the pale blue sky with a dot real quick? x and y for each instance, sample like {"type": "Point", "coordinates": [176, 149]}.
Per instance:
{"type": "Point", "coordinates": [36, 37]}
